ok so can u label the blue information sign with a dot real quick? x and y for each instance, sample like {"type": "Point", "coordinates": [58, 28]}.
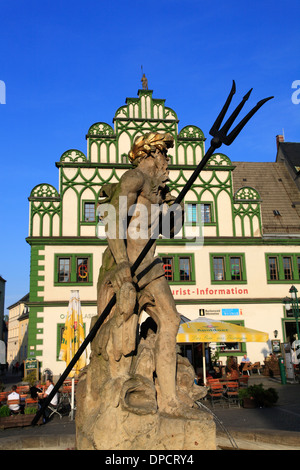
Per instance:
{"type": "Point", "coordinates": [230, 311]}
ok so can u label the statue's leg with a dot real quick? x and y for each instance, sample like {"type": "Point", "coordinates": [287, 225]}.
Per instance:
{"type": "Point", "coordinates": [167, 318]}
{"type": "Point", "coordinates": [116, 337]}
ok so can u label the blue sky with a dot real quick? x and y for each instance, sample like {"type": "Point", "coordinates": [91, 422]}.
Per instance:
{"type": "Point", "coordinates": [68, 64]}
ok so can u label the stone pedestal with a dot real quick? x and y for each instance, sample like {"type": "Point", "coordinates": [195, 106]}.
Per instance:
{"type": "Point", "coordinates": [117, 429]}
{"type": "Point", "coordinates": [122, 413]}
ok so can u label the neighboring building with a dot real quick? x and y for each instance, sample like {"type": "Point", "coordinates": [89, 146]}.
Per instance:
{"type": "Point", "coordinates": [17, 342]}
{"type": "Point", "coordinates": [3, 329]}
{"type": "Point", "coordinates": [2, 298]}
{"type": "Point", "coordinates": [23, 332]}
{"type": "Point", "coordinates": [244, 258]}
{"type": "Point", "coordinates": [289, 154]}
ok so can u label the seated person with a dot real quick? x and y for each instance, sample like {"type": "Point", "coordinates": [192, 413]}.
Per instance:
{"type": "Point", "coordinates": [218, 372]}
{"type": "Point", "coordinates": [230, 361]}
{"type": "Point", "coordinates": [244, 361]}
{"type": "Point", "coordinates": [234, 373]}
{"type": "Point", "coordinates": [35, 390]}
{"type": "Point", "coordinates": [43, 396]}
{"type": "Point", "coordinates": [14, 407]}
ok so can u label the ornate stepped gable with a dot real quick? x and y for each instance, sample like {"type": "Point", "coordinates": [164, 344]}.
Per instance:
{"type": "Point", "coordinates": [107, 148]}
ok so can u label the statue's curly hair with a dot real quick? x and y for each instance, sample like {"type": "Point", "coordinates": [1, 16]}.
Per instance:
{"type": "Point", "coordinates": [144, 145]}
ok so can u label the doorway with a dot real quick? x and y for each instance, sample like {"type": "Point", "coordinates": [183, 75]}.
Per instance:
{"type": "Point", "coordinates": [290, 331]}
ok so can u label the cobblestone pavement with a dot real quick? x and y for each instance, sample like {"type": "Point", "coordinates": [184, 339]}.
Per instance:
{"type": "Point", "coordinates": [277, 427]}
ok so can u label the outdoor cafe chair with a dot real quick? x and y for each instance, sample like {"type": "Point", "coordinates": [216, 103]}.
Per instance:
{"type": "Point", "coordinates": [210, 380]}
{"type": "Point", "coordinates": [23, 389]}
{"type": "Point", "coordinates": [3, 397]}
{"type": "Point", "coordinates": [56, 409]}
{"type": "Point", "coordinates": [68, 382]}
{"type": "Point", "coordinates": [216, 393]}
{"type": "Point", "coordinates": [247, 368]}
{"type": "Point", "coordinates": [243, 381]}
{"type": "Point", "coordinates": [65, 394]}
{"type": "Point", "coordinates": [31, 402]}
{"type": "Point", "coordinates": [23, 397]}
{"type": "Point", "coordinates": [232, 394]}
{"type": "Point", "coordinates": [256, 366]}
{"type": "Point", "coordinates": [14, 402]}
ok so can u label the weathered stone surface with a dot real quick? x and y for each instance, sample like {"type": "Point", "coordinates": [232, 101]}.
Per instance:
{"type": "Point", "coordinates": [118, 429]}
{"type": "Point", "coordinates": [122, 413]}
{"type": "Point", "coordinates": [138, 393]}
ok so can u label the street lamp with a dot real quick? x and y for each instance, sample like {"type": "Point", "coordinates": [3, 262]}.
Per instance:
{"type": "Point", "coordinates": [292, 303]}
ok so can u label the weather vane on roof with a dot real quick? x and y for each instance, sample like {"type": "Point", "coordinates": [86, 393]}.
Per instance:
{"type": "Point", "coordinates": [144, 80]}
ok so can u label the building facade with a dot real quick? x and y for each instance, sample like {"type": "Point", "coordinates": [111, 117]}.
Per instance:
{"type": "Point", "coordinates": [17, 341]}
{"type": "Point", "coordinates": [234, 259]}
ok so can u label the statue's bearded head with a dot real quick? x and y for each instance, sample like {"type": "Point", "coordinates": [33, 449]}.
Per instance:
{"type": "Point", "coordinates": [147, 144]}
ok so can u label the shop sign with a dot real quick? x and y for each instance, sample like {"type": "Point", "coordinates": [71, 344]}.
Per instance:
{"type": "Point", "coordinates": [212, 311]}
{"type": "Point", "coordinates": [208, 292]}
{"type": "Point", "coordinates": [32, 365]}
{"type": "Point", "coordinates": [275, 346]}
{"type": "Point", "coordinates": [208, 312]}
{"type": "Point", "coordinates": [85, 316]}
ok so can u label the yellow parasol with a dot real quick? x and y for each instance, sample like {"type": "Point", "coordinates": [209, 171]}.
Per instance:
{"type": "Point", "coordinates": [206, 330]}
{"type": "Point", "coordinates": [73, 335]}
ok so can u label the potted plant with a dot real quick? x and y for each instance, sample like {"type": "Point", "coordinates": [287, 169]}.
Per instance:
{"type": "Point", "coordinates": [4, 411]}
{"type": "Point", "coordinates": [256, 396]}
{"type": "Point", "coordinates": [30, 410]}
{"type": "Point", "coordinates": [7, 420]}
{"type": "Point", "coordinates": [246, 398]}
